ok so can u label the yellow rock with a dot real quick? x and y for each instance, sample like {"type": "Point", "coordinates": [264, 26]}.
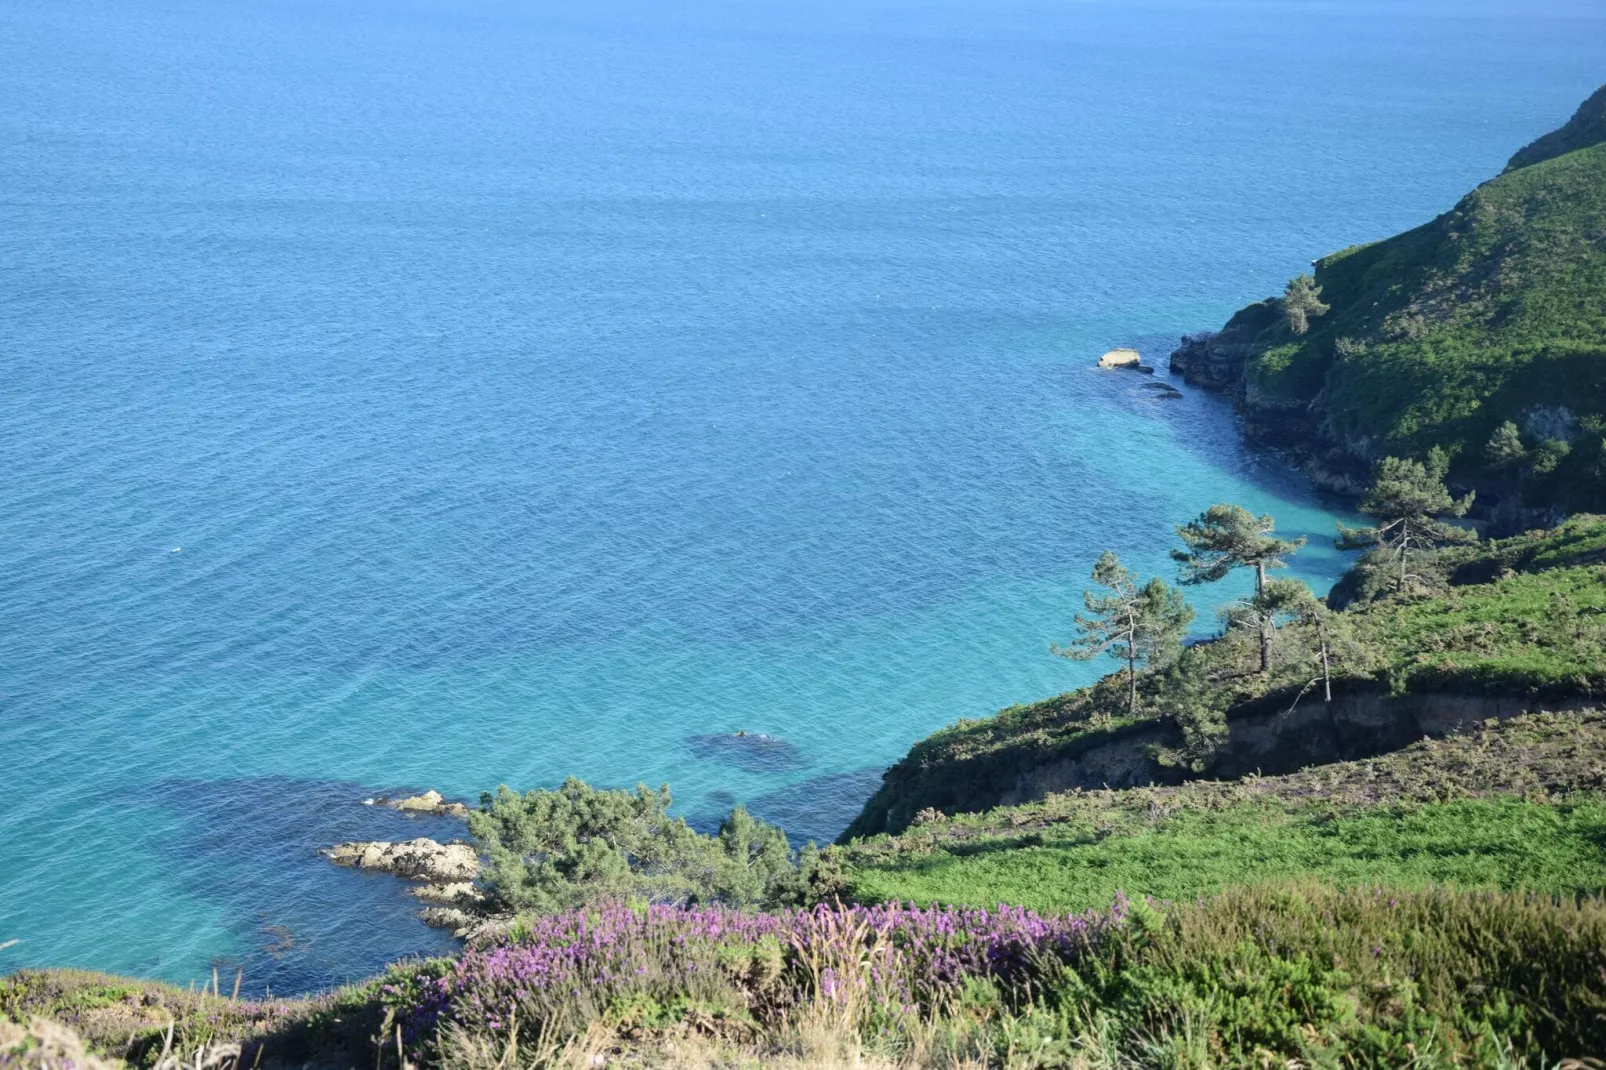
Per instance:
{"type": "Point", "coordinates": [1121, 358]}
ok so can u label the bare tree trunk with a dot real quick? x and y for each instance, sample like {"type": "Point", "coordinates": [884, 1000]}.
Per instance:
{"type": "Point", "coordinates": [1265, 625]}
{"type": "Point", "coordinates": [1327, 672]}
{"type": "Point", "coordinates": [1131, 665]}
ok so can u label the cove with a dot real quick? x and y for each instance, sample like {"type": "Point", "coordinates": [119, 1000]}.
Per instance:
{"type": "Point", "coordinates": [440, 395]}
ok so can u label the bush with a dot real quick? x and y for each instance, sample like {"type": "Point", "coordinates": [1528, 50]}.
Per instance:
{"type": "Point", "coordinates": [555, 850]}
{"type": "Point", "coordinates": [1364, 977]}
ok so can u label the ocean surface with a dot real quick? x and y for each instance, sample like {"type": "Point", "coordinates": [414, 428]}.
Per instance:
{"type": "Point", "coordinates": [446, 393]}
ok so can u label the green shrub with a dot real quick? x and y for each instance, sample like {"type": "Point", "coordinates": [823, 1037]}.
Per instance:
{"type": "Point", "coordinates": [554, 850]}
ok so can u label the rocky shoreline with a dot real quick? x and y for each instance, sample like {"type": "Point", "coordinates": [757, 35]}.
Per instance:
{"type": "Point", "coordinates": [446, 874]}
{"type": "Point", "coordinates": [1299, 430]}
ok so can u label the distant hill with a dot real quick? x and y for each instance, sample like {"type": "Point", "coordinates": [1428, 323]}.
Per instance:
{"type": "Point", "coordinates": [1493, 312]}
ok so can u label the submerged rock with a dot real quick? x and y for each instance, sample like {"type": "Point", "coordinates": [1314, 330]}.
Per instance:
{"type": "Point", "coordinates": [753, 751]}
{"type": "Point", "coordinates": [415, 860]}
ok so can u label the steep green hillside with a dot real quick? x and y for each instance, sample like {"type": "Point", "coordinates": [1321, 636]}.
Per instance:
{"type": "Point", "coordinates": [1587, 127]}
{"type": "Point", "coordinates": [1494, 311]}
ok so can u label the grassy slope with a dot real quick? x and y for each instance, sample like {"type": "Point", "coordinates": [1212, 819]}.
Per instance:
{"type": "Point", "coordinates": [1517, 805]}
{"type": "Point", "coordinates": [1474, 318]}
{"type": "Point", "coordinates": [130, 1020]}
{"type": "Point", "coordinates": [1523, 616]}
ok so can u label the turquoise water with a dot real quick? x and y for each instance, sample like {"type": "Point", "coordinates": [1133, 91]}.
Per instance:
{"type": "Point", "coordinates": [426, 394]}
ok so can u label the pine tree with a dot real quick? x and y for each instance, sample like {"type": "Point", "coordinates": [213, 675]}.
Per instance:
{"type": "Point", "coordinates": [1137, 625]}
{"type": "Point", "coordinates": [1505, 450]}
{"type": "Point", "coordinates": [1407, 498]}
{"type": "Point", "coordinates": [1225, 537]}
{"type": "Point", "coordinates": [1302, 300]}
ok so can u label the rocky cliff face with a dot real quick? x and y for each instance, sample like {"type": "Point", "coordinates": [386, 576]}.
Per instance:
{"type": "Point", "coordinates": [1215, 360]}
{"type": "Point", "coordinates": [1297, 427]}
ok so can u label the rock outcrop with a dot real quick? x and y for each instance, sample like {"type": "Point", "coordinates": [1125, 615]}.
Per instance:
{"type": "Point", "coordinates": [1121, 358]}
{"type": "Point", "coordinates": [1296, 427]}
{"type": "Point", "coordinates": [445, 873]}
{"type": "Point", "coordinates": [454, 892]}
{"type": "Point", "coordinates": [1215, 359]}
{"type": "Point", "coordinates": [461, 922]}
{"type": "Point", "coordinates": [432, 803]}
{"type": "Point", "coordinates": [421, 860]}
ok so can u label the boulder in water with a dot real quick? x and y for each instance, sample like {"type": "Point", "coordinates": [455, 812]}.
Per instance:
{"type": "Point", "coordinates": [431, 802]}
{"type": "Point", "coordinates": [415, 860]}
{"type": "Point", "coordinates": [1121, 357]}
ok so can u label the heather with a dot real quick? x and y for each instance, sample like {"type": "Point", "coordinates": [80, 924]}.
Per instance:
{"type": "Point", "coordinates": [1362, 976]}
{"type": "Point", "coordinates": [882, 968]}
{"type": "Point", "coordinates": [1285, 974]}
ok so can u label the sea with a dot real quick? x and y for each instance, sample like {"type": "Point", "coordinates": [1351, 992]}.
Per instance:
{"type": "Point", "coordinates": [404, 394]}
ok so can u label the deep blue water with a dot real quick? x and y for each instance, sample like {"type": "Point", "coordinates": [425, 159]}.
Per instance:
{"type": "Point", "coordinates": [403, 393]}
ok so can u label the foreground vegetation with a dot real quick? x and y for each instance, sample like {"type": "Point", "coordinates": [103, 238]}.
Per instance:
{"type": "Point", "coordinates": [1258, 976]}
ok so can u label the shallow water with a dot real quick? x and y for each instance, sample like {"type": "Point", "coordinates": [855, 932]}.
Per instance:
{"type": "Point", "coordinates": [425, 394]}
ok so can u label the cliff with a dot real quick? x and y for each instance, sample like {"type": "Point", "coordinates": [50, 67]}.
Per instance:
{"type": "Point", "coordinates": [1493, 312]}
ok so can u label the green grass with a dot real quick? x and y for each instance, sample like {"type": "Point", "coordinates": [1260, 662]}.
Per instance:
{"type": "Point", "coordinates": [1365, 977]}
{"type": "Point", "coordinates": [1526, 633]}
{"type": "Point", "coordinates": [1511, 804]}
{"type": "Point", "coordinates": [130, 1020]}
{"type": "Point", "coordinates": [1478, 843]}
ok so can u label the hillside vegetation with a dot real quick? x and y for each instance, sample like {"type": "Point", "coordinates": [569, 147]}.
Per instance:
{"type": "Point", "coordinates": [1259, 976]}
{"type": "Point", "coordinates": [1523, 617]}
{"type": "Point", "coordinates": [1489, 314]}
{"type": "Point", "coordinates": [1514, 804]}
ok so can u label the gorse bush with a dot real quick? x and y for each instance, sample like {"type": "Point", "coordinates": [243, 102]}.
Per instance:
{"type": "Point", "coordinates": [554, 850]}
